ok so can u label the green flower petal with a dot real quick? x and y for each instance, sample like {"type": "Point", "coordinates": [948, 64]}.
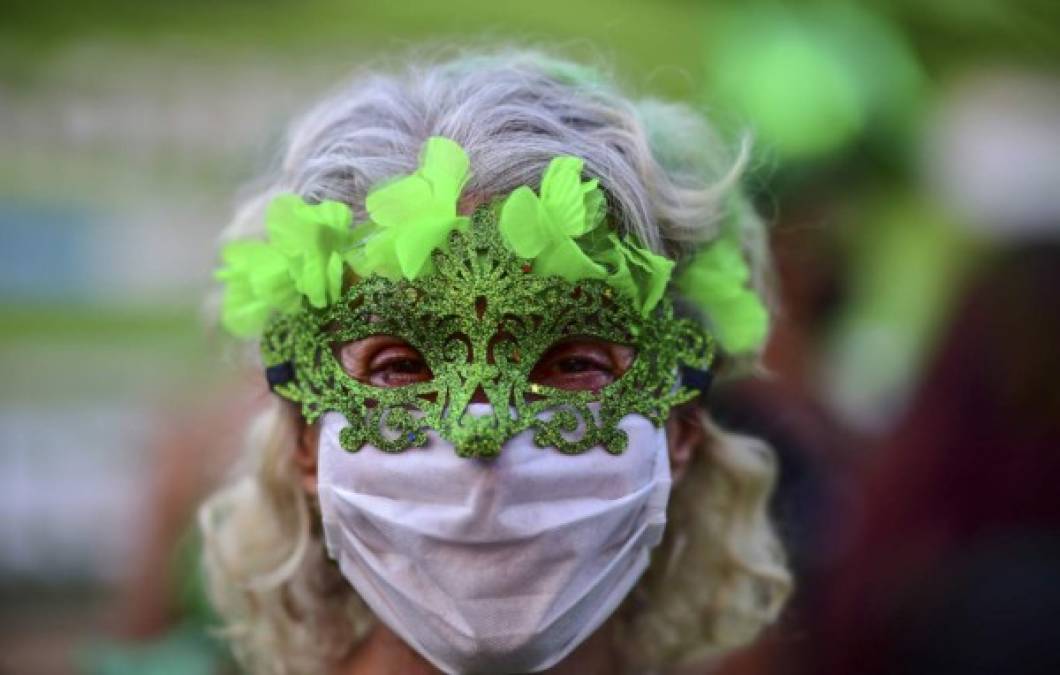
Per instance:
{"type": "Point", "coordinates": [403, 202]}
{"type": "Point", "coordinates": [542, 228]}
{"type": "Point", "coordinates": [310, 280]}
{"type": "Point", "coordinates": [595, 207]}
{"type": "Point", "coordinates": [413, 248]}
{"type": "Point", "coordinates": [720, 268]}
{"type": "Point", "coordinates": [716, 281]}
{"type": "Point", "coordinates": [741, 322]}
{"type": "Point", "coordinates": [415, 213]}
{"type": "Point", "coordinates": [242, 314]}
{"type": "Point", "coordinates": [257, 282]}
{"type": "Point", "coordinates": [520, 224]}
{"type": "Point", "coordinates": [303, 258]}
{"type": "Point", "coordinates": [558, 232]}
{"type": "Point", "coordinates": [636, 272]}
{"type": "Point", "coordinates": [652, 272]}
{"type": "Point", "coordinates": [444, 165]}
{"type": "Point", "coordinates": [335, 274]}
{"type": "Point", "coordinates": [563, 197]}
{"type": "Point", "coordinates": [377, 256]}
{"type": "Point", "coordinates": [310, 236]}
{"type": "Point", "coordinates": [297, 228]}
{"type": "Point", "coordinates": [565, 259]}
{"type": "Point", "coordinates": [620, 276]}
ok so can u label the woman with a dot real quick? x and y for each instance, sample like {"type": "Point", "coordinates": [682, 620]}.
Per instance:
{"type": "Point", "coordinates": [489, 294]}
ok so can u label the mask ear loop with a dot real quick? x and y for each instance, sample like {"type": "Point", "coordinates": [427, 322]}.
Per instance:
{"type": "Point", "coordinates": [697, 379]}
{"type": "Point", "coordinates": [281, 373]}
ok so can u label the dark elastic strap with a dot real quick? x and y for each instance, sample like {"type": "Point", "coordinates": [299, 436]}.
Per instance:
{"type": "Point", "coordinates": [697, 379]}
{"type": "Point", "coordinates": [281, 373]}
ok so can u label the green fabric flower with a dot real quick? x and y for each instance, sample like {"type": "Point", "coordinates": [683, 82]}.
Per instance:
{"type": "Point", "coordinates": [257, 282]}
{"type": "Point", "coordinates": [413, 215]}
{"type": "Point", "coordinates": [544, 228]}
{"type": "Point", "coordinates": [303, 257]}
{"type": "Point", "coordinates": [313, 238]}
{"type": "Point", "coordinates": [557, 230]}
{"type": "Point", "coordinates": [716, 280]}
{"type": "Point", "coordinates": [636, 272]}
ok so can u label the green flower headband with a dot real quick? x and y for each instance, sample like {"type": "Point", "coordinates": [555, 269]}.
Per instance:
{"type": "Point", "coordinates": [482, 298]}
{"type": "Point", "coordinates": [557, 231]}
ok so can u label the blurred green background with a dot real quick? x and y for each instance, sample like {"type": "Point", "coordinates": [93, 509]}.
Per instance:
{"type": "Point", "coordinates": [127, 129]}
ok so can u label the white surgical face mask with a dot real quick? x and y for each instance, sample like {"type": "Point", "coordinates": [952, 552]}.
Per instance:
{"type": "Point", "coordinates": [493, 566]}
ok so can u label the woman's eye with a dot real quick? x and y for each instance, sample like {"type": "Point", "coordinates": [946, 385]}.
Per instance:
{"type": "Point", "coordinates": [579, 365]}
{"type": "Point", "coordinates": [383, 361]}
{"type": "Point", "coordinates": [582, 364]}
{"type": "Point", "coordinates": [406, 366]}
{"type": "Point", "coordinates": [396, 367]}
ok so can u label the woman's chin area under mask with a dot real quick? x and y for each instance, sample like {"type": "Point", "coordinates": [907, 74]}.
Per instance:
{"type": "Point", "coordinates": [382, 652]}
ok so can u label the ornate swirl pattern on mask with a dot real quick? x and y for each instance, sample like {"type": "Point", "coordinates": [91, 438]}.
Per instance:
{"type": "Point", "coordinates": [481, 322]}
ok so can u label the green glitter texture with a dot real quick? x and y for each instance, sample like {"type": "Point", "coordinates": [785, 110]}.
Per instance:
{"type": "Point", "coordinates": [483, 320]}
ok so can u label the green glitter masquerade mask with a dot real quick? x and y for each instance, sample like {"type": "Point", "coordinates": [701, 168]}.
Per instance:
{"type": "Point", "coordinates": [482, 299]}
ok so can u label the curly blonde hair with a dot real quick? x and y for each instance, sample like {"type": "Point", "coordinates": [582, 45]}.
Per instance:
{"type": "Point", "coordinates": [719, 575]}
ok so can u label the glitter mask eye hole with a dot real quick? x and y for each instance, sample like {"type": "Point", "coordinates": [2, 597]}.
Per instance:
{"type": "Point", "coordinates": [582, 363]}
{"type": "Point", "coordinates": [382, 361]}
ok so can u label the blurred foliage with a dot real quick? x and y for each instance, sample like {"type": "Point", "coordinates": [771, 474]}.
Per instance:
{"type": "Point", "coordinates": [812, 80]}
{"type": "Point", "coordinates": [637, 34]}
{"type": "Point", "coordinates": [949, 34]}
{"type": "Point", "coordinates": [87, 354]}
{"type": "Point", "coordinates": [904, 262]}
{"type": "Point", "coordinates": [112, 326]}
{"type": "Point", "coordinates": [959, 28]}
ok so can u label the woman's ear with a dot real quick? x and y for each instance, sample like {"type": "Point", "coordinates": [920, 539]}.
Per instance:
{"type": "Point", "coordinates": [685, 432]}
{"type": "Point", "coordinates": [305, 455]}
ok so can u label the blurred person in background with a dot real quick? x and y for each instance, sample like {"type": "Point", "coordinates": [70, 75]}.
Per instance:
{"type": "Point", "coordinates": [386, 518]}
{"type": "Point", "coordinates": [952, 558]}
{"type": "Point", "coordinates": [955, 564]}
